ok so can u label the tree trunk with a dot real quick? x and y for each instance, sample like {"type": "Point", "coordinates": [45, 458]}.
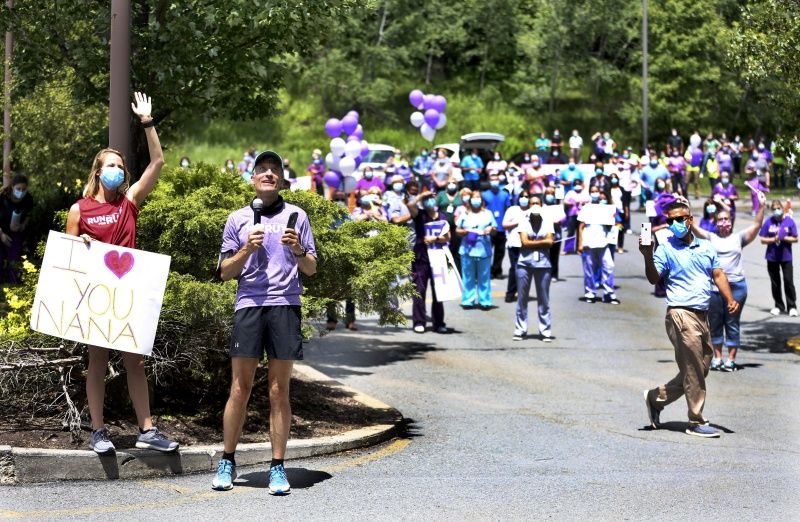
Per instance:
{"type": "Point", "coordinates": [7, 107]}
{"type": "Point", "coordinates": [430, 65]}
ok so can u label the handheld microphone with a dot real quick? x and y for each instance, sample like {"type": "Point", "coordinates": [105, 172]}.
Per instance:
{"type": "Point", "coordinates": [257, 205]}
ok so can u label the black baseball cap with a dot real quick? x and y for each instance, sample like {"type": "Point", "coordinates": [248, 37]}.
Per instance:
{"type": "Point", "coordinates": [269, 154]}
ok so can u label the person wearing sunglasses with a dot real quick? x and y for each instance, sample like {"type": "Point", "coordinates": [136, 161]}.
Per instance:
{"type": "Point", "coordinates": [688, 266]}
{"type": "Point", "coordinates": [724, 326]}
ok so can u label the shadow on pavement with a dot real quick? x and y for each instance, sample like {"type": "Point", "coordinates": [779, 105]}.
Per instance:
{"type": "Point", "coordinates": [409, 429]}
{"type": "Point", "coordinates": [768, 335]}
{"type": "Point", "coordinates": [364, 352]}
{"type": "Point", "coordinates": [680, 427]}
{"type": "Point", "coordinates": [299, 478]}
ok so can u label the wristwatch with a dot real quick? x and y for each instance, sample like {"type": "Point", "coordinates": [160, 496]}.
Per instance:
{"type": "Point", "coordinates": [302, 253]}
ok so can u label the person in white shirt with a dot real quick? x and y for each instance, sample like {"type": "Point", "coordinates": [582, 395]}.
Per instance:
{"type": "Point", "coordinates": [593, 246]}
{"type": "Point", "coordinates": [513, 217]}
{"type": "Point", "coordinates": [575, 146]}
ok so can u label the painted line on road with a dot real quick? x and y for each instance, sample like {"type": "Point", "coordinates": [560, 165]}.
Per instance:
{"type": "Point", "coordinates": [392, 449]}
{"type": "Point", "coordinates": [189, 495]}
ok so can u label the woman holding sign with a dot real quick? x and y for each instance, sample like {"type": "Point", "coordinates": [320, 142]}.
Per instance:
{"type": "Point", "coordinates": [107, 213]}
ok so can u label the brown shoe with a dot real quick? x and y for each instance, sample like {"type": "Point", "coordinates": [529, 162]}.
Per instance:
{"type": "Point", "coordinates": [330, 325]}
{"type": "Point", "coordinates": [351, 326]}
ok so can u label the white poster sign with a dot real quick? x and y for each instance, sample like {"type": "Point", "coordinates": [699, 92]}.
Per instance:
{"type": "Point", "coordinates": [100, 294]}
{"type": "Point", "coordinates": [446, 279]}
{"type": "Point", "coordinates": [594, 214]}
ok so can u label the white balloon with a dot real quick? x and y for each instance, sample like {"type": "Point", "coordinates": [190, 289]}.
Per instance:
{"type": "Point", "coordinates": [417, 119]}
{"type": "Point", "coordinates": [347, 165]}
{"type": "Point", "coordinates": [427, 132]}
{"type": "Point", "coordinates": [337, 147]}
{"type": "Point", "coordinates": [442, 121]}
{"type": "Point", "coordinates": [352, 149]}
{"type": "Point", "coordinates": [330, 161]}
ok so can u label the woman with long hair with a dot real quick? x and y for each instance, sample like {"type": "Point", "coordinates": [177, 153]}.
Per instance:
{"type": "Point", "coordinates": [16, 205]}
{"type": "Point", "coordinates": [107, 212]}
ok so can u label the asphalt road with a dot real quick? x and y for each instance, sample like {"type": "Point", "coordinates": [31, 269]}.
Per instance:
{"type": "Point", "coordinates": [502, 430]}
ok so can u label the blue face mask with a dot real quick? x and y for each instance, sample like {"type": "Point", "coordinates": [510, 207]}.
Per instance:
{"type": "Point", "coordinates": [711, 209]}
{"type": "Point", "coordinates": [368, 175]}
{"type": "Point", "coordinates": [679, 229]}
{"type": "Point", "coordinates": [604, 202]}
{"type": "Point", "coordinates": [429, 203]}
{"type": "Point", "coordinates": [614, 181]}
{"type": "Point", "coordinates": [523, 202]}
{"type": "Point", "coordinates": [549, 199]}
{"type": "Point", "coordinates": [494, 183]}
{"type": "Point", "coordinates": [317, 161]}
{"type": "Point", "coordinates": [366, 200]}
{"type": "Point", "coordinates": [475, 202]}
{"type": "Point", "coordinates": [654, 164]}
{"type": "Point", "coordinates": [777, 212]}
{"type": "Point", "coordinates": [598, 171]}
{"type": "Point", "coordinates": [451, 188]}
{"type": "Point", "coordinates": [397, 187]}
{"type": "Point", "coordinates": [112, 177]}
{"type": "Point", "coordinates": [571, 166]}
{"type": "Point", "coordinates": [19, 194]}
{"type": "Point", "coordinates": [724, 181]}
{"type": "Point", "coordinates": [595, 197]}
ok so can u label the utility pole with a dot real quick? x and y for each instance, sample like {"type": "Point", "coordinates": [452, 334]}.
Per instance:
{"type": "Point", "coordinates": [119, 109]}
{"type": "Point", "coordinates": [7, 107]}
{"type": "Point", "coordinates": [644, 76]}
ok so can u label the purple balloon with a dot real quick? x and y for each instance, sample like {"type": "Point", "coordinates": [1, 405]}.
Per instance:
{"type": "Point", "coordinates": [352, 114]}
{"type": "Point", "coordinates": [432, 117]}
{"type": "Point", "coordinates": [427, 100]}
{"type": "Point", "coordinates": [352, 137]}
{"type": "Point", "coordinates": [415, 97]}
{"type": "Point", "coordinates": [358, 161]}
{"type": "Point", "coordinates": [333, 127]}
{"type": "Point", "coordinates": [359, 132]}
{"type": "Point", "coordinates": [349, 124]}
{"type": "Point", "coordinates": [332, 179]}
{"type": "Point", "coordinates": [439, 103]}
{"type": "Point", "coordinates": [364, 149]}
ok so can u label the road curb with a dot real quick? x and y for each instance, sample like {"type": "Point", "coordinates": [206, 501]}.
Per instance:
{"type": "Point", "coordinates": [28, 465]}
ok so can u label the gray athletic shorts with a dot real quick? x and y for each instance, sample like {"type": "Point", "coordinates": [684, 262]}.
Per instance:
{"type": "Point", "coordinates": [275, 329]}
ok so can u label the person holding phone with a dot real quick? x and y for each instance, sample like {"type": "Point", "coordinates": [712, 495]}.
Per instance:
{"type": "Point", "coordinates": [265, 249]}
{"type": "Point", "coordinates": [688, 265]}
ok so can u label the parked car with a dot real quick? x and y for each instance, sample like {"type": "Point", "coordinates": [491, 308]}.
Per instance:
{"type": "Point", "coordinates": [485, 142]}
{"type": "Point", "coordinates": [376, 157]}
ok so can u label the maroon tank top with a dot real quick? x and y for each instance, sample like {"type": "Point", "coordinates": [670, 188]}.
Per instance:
{"type": "Point", "coordinates": [113, 223]}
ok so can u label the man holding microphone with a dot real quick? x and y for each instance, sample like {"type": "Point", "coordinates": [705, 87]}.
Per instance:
{"type": "Point", "coordinates": [266, 246]}
{"type": "Point", "coordinates": [688, 265]}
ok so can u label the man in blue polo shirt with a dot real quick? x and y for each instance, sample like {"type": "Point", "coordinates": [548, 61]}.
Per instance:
{"type": "Point", "coordinates": [471, 168]}
{"type": "Point", "coordinates": [497, 202]}
{"type": "Point", "coordinates": [688, 265]}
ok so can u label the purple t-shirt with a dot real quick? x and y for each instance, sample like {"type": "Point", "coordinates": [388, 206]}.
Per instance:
{"type": "Point", "coordinates": [782, 251]}
{"type": "Point", "coordinates": [270, 276]}
{"type": "Point", "coordinates": [365, 184]}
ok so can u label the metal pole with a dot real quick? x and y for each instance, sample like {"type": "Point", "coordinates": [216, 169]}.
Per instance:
{"type": "Point", "coordinates": [119, 111]}
{"type": "Point", "coordinates": [7, 107]}
{"type": "Point", "coordinates": [644, 76]}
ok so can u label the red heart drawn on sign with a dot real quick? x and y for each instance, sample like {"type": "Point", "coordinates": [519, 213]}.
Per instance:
{"type": "Point", "coordinates": [119, 264]}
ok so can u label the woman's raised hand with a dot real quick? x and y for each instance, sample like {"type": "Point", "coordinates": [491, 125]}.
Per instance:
{"type": "Point", "coordinates": [143, 106]}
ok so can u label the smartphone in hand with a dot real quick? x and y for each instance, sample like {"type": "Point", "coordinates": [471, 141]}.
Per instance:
{"type": "Point", "coordinates": [647, 234]}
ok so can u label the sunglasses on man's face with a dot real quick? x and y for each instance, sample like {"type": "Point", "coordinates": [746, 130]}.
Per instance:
{"type": "Point", "coordinates": [679, 219]}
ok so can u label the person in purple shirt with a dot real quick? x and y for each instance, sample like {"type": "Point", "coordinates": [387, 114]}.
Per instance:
{"type": "Point", "coordinates": [368, 181]}
{"type": "Point", "coordinates": [316, 169]}
{"type": "Point", "coordinates": [725, 158]}
{"type": "Point", "coordinates": [432, 231]}
{"type": "Point", "coordinates": [726, 192]}
{"type": "Point", "coordinates": [266, 257]}
{"type": "Point", "coordinates": [778, 233]}
{"type": "Point", "coordinates": [676, 165]}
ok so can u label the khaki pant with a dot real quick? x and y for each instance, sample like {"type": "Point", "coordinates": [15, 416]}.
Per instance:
{"type": "Point", "coordinates": [689, 334]}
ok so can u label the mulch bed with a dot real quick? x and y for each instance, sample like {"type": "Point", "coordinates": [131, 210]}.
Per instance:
{"type": "Point", "coordinates": [317, 410]}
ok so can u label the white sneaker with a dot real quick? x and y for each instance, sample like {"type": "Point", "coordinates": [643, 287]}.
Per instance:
{"type": "Point", "coordinates": [419, 328]}
{"type": "Point", "coordinates": [792, 312]}
{"type": "Point", "coordinates": [776, 311]}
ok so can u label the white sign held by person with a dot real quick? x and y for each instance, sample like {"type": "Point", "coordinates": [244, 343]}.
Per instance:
{"type": "Point", "coordinates": [99, 294]}
{"type": "Point", "coordinates": [594, 214]}
{"type": "Point", "coordinates": [446, 279]}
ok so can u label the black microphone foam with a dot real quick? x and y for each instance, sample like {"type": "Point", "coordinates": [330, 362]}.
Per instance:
{"type": "Point", "coordinates": [257, 205]}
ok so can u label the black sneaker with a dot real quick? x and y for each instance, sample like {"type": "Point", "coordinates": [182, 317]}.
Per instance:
{"type": "Point", "coordinates": [652, 412]}
{"type": "Point", "coordinates": [611, 300]}
{"type": "Point", "coordinates": [511, 299]}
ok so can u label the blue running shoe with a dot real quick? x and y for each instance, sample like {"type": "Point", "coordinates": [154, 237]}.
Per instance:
{"type": "Point", "coordinates": [100, 443]}
{"type": "Point", "coordinates": [278, 484]}
{"type": "Point", "coordinates": [155, 440]}
{"type": "Point", "coordinates": [226, 474]}
{"type": "Point", "coordinates": [702, 430]}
